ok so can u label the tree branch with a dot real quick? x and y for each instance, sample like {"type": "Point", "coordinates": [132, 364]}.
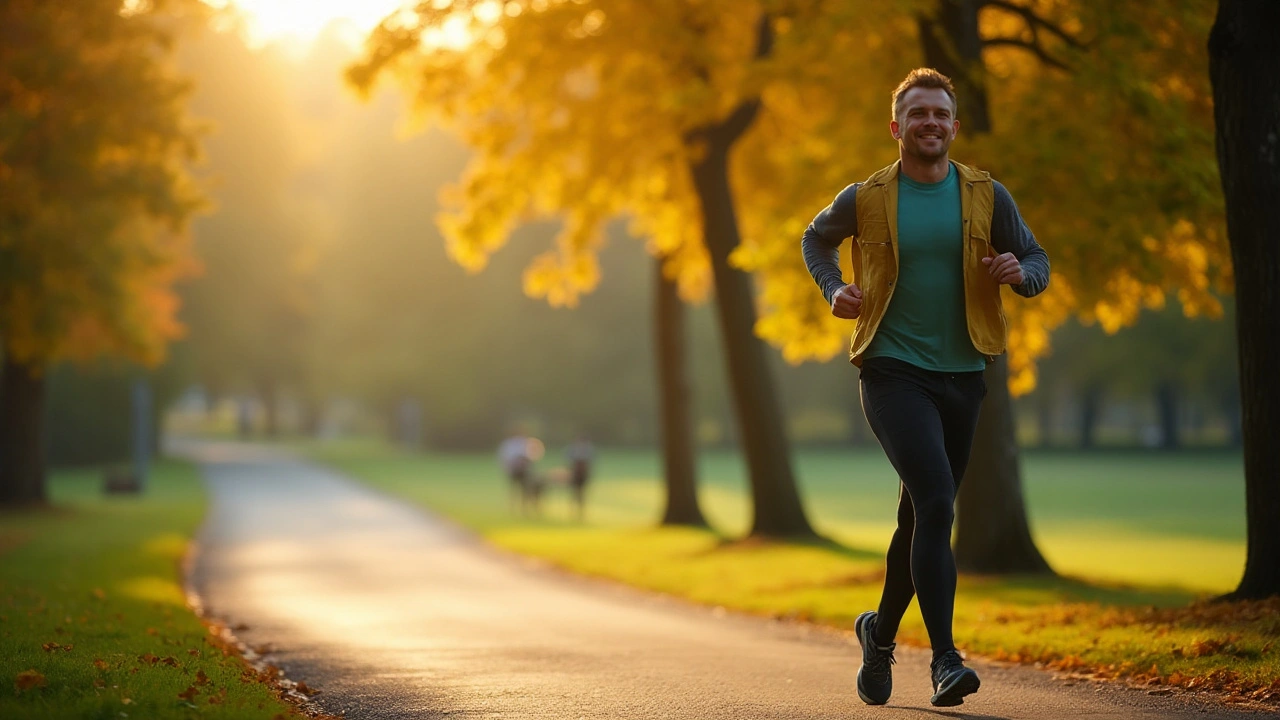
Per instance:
{"type": "Point", "coordinates": [1034, 21]}
{"type": "Point", "coordinates": [764, 37]}
{"type": "Point", "coordinates": [1029, 46]}
{"type": "Point", "coordinates": [745, 113]}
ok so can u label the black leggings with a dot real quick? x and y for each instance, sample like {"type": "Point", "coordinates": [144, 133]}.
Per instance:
{"type": "Point", "coordinates": [925, 422]}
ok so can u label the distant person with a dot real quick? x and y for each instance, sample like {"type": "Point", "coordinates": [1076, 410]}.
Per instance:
{"type": "Point", "coordinates": [579, 456]}
{"type": "Point", "coordinates": [513, 455]}
{"type": "Point", "coordinates": [935, 240]}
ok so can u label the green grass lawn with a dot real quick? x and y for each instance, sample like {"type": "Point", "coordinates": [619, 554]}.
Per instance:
{"type": "Point", "coordinates": [93, 617]}
{"type": "Point", "coordinates": [1137, 536]}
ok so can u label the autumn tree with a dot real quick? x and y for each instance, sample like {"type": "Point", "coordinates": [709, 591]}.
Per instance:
{"type": "Point", "coordinates": [589, 112]}
{"type": "Point", "coordinates": [1066, 103]}
{"type": "Point", "coordinates": [992, 531]}
{"type": "Point", "coordinates": [93, 201]}
{"type": "Point", "coordinates": [1243, 57]}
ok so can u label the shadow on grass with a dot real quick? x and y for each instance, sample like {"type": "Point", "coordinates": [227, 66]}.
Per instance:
{"type": "Point", "coordinates": [753, 543]}
{"type": "Point", "coordinates": [1027, 590]}
{"type": "Point", "coordinates": [1017, 590]}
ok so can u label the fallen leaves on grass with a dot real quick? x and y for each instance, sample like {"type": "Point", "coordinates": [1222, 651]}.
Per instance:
{"type": "Point", "coordinates": [53, 646]}
{"type": "Point", "coordinates": [28, 679]}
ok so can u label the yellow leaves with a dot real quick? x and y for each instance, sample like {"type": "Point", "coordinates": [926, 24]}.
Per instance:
{"type": "Point", "coordinates": [1184, 260]}
{"type": "Point", "coordinates": [560, 276]}
{"type": "Point", "coordinates": [559, 279]}
{"type": "Point", "coordinates": [97, 241]}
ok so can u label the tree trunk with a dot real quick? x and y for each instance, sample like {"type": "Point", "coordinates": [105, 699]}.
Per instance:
{"type": "Point", "coordinates": [777, 510]}
{"type": "Point", "coordinates": [1045, 408]}
{"type": "Point", "coordinates": [679, 468]}
{"type": "Point", "coordinates": [271, 408]}
{"type": "Point", "coordinates": [992, 532]}
{"type": "Point", "coordinates": [952, 45]}
{"type": "Point", "coordinates": [1243, 57]}
{"type": "Point", "coordinates": [22, 457]}
{"type": "Point", "coordinates": [1090, 410]}
{"type": "Point", "coordinates": [1167, 408]}
{"type": "Point", "coordinates": [1230, 404]}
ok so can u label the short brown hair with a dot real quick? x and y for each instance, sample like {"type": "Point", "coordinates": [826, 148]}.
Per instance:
{"type": "Point", "coordinates": [922, 78]}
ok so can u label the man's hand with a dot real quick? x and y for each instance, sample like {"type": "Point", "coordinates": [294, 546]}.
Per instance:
{"type": "Point", "coordinates": [847, 302]}
{"type": "Point", "coordinates": [1004, 268]}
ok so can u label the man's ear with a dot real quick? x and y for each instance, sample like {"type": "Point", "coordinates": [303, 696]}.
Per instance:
{"type": "Point", "coordinates": [894, 130]}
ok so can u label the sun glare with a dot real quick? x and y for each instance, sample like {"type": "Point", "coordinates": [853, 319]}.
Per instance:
{"type": "Point", "coordinates": [302, 21]}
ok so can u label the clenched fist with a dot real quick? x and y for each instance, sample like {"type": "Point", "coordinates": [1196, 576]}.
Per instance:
{"type": "Point", "coordinates": [1004, 268]}
{"type": "Point", "coordinates": [847, 302]}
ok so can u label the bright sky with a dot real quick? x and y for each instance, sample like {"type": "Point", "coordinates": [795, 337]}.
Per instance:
{"type": "Point", "coordinates": [300, 21]}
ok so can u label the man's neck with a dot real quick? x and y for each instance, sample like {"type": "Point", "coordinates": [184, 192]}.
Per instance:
{"type": "Point", "coordinates": [926, 171]}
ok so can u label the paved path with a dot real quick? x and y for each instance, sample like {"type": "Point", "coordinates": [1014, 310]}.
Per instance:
{"type": "Point", "coordinates": [393, 613]}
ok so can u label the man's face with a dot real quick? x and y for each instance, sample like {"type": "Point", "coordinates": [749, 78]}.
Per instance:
{"type": "Point", "coordinates": [926, 124]}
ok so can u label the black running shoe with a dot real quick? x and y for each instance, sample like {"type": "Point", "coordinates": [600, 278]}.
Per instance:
{"type": "Point", "coordinates": [875, 677]}
{"type": "Point", "coordinates": [952, 680]}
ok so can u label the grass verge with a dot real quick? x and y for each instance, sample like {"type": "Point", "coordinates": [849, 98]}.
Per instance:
{"type": "Point", "coordinates": [93, 617]}
{"type": "Point", "coordinates": [1117, 624]}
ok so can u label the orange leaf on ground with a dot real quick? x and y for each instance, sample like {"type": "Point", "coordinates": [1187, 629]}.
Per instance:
{"type": "Point", "coordinates": [189, 693]}
{"type": "Point", "coordinates": [28, 679]}
{"type": "Point", "coordinates": [201, 678]}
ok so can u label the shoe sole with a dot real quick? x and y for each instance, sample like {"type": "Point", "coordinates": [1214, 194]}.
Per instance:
{"type": "Point", "coordinates": [857, 630]}
{"type": "Point", "coordinates": [863, 695]}
{"type": "Point", "coordinates": [952, 694]}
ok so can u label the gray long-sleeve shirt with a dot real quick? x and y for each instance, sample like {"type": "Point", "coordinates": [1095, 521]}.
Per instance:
{"type": "Point", "coordinates": [839, 220]}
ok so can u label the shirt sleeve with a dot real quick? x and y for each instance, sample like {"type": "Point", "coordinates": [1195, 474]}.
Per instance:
{"type": "Point", "coordinates": [1010, 234]}
{"type": "Point", "coordinates": [822, 240]}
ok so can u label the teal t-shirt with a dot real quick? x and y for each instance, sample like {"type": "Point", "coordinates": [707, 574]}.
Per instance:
{"type": "Point", "coordinates": [925, 324]}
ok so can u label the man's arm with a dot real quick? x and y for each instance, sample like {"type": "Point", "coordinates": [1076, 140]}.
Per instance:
{"type": "Point", "coordinates": [1009, 234]}
{"type": "Point", "coordinates": [822, 239]}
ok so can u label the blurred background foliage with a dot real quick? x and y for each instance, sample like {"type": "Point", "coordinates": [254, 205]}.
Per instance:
{"type": "Point", "coordinates": [328, 302]}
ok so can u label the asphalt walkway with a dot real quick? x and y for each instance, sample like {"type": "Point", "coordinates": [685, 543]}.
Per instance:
{"type": "Point", "coordinates": [393, 613]}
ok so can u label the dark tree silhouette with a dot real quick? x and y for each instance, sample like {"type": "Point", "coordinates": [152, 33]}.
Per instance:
{"type": "Point", "coordinates": [1243, 58]}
